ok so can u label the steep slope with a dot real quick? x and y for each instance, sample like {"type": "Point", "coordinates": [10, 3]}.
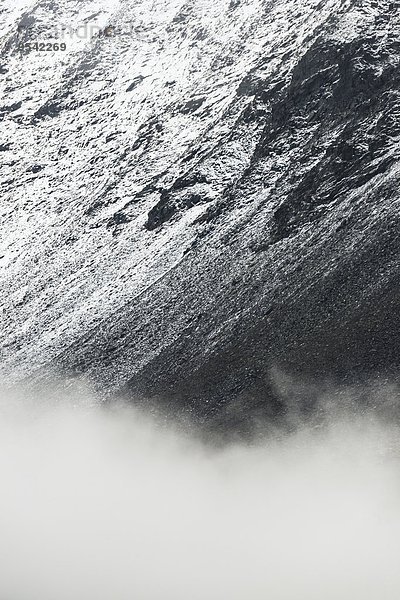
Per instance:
{"type": "Point", "coordinates": [206, 194]}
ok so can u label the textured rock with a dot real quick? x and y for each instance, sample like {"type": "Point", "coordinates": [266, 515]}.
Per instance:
{"type": "Point", "coordinates": [190, 205]}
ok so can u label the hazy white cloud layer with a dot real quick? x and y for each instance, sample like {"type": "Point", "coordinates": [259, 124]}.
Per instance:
{"type": "Point", "coordinates": [106, 505]}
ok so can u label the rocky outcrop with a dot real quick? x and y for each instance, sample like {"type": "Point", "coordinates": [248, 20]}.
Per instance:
{"type": "Point", "coordinates": [194, 228]}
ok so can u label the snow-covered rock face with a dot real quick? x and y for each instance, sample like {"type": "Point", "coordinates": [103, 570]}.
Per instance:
{"type": "Point", "coordinates": [193, 192]}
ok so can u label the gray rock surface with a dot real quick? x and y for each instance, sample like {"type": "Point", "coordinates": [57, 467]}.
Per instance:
{"type": "Point", "coordinates": [202, 197]}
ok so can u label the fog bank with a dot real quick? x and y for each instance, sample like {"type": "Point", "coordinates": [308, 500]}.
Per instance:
{"type": "Point", "coordinates": [102, 504]}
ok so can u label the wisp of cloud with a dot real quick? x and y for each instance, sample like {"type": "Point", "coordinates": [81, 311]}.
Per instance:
{"type": "Point", "coordinates": [101, 504]}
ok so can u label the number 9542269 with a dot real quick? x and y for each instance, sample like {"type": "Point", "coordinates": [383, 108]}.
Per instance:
{"type": "Point", "coordinates": [43, 46]}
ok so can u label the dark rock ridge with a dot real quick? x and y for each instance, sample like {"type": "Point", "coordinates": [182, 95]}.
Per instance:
{"type": "Point", "coordinates": [191, 210]}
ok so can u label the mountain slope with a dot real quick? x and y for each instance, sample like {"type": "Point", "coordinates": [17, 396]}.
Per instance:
{"type": "Point", "coordinates": [205, 195]}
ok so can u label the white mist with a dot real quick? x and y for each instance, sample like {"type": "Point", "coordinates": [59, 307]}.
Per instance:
{"type": "Point", "coordinates": [107, 505]}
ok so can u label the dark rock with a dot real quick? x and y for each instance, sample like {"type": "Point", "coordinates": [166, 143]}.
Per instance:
{"type": "Point", "coordinates": [11, 108]}
{"type": "Point", "coordinates": [135, 83]}
{"type": "Point", "coordinates": [191, 106]}
{"type": "Point", "coordinates": [118, 218]}
{"type": "Point", "coordinates": [35, 168]}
